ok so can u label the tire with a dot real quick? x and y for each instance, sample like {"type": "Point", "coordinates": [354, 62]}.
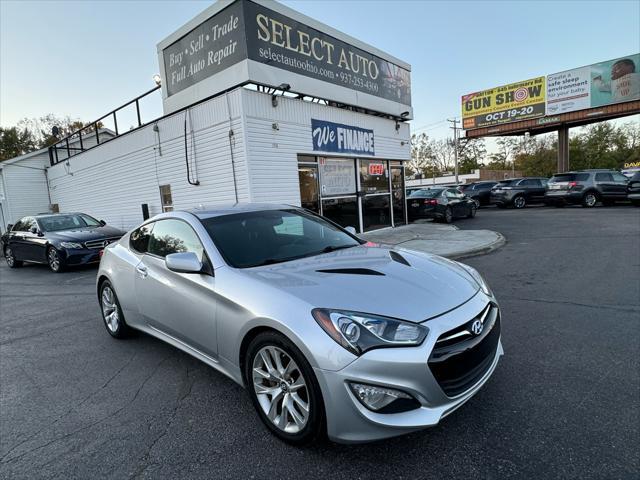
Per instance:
{"type": "Point", "coordinates": [263, 374]}
{"type": "Point", "coordinates": [472, 212]}
{"type": "Point", "coordinates": [112, 315]}
{"type": "Point", "coordinates": [519, 202]}
{"type": "Point", "coordinates": [12, 262]}
{"type": "Point", "coordinates": [448, 216]}
{"type": "Point", "coordinates": [56, 264]}
{"type": "Point", "coordinates": [589, 200]}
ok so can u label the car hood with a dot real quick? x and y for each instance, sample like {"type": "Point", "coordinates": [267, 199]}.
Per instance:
{"type": "Point", "coordinates": [85, 234]}
{"type": "Point", "coordinates": [374, 280]}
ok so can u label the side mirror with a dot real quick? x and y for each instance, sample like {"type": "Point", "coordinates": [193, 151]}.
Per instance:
{"type": "Point", "coordinates": [351, 230]}
{"type": "Point", "coordinates": [103, 223]}
{"type": "Point", "coordinates": [34, 230]}
{"type": "Point", "coordinates": [184, 262]}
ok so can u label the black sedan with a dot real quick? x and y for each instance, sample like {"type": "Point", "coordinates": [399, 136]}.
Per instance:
{"type": "Point", "coordinates": [443, 204]}
{"type": "Point", "coordinates": [479, 191]}
{"type": "Point", "coordinates": [59, 240]}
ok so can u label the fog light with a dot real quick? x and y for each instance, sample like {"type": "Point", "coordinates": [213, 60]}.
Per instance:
{"type": "Point", "coordinates": [383, 400]}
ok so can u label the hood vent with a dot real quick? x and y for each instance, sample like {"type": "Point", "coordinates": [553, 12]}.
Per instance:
{"type": "Point", "coordinates": [351, 271]}
{"type": "Point", "coordinates": [396, 257]}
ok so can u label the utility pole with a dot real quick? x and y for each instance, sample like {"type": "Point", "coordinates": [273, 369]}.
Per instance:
{"type": "Point", "coordinates": [455, 143]}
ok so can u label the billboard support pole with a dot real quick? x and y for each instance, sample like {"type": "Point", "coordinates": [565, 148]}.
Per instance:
{"type": "Point", "coordinates": [455, 145]}
{"type": "Point", "coordinates": [563, 149]}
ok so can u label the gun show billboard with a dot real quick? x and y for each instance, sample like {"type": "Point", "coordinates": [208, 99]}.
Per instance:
{"type": "Point", "coordinates": [242, 41]}
{"type": "Point", "coordinates": [504, 104]}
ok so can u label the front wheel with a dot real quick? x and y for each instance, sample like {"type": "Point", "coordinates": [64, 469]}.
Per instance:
{"type": "Point", "coordinates": [284, 389]}
{"type": "Point", "coordinates": [56, 264]}
{"type": "Point", "coordinates": [10, 257]}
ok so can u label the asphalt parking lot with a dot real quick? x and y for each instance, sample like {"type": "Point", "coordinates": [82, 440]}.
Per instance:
{"type": "Point", "coordinates": [563, 403]}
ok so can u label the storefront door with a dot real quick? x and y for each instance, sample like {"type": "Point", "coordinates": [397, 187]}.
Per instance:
{"type": "Point", "coordinates": [398, 195]}
{"type": "Point", "coordinates": [375, 194]}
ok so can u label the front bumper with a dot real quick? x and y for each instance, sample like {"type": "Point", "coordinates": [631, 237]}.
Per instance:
{"type": "Point", "coordinates": [406, 369]}
{"type": "Point", "coordinates": [80, 256]}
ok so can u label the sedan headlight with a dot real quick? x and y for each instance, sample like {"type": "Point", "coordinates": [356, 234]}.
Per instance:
{"type": "Point", "coordinates": [359, 332]}
{"type": "Point", "coordinates": [71, 245]}
{"type": "Point", "coordinates": [478, 278]}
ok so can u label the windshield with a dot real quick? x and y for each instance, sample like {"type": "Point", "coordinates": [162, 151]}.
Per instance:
{"type": "Point", "coordinates": [265, 237]}
{"type": "Point", "coordinates": [427, 193]}
{"type": "Point", "coordinates": [56, 223]}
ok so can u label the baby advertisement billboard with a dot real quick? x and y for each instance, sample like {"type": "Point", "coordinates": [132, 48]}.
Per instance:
{"type": "Point", "coordinates": [604, 83]}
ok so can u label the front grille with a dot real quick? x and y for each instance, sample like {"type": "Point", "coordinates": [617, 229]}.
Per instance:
{"type": "Point", "coordinates": [460, 358]}
{"type": "Point", "coordinates": [100, 244]}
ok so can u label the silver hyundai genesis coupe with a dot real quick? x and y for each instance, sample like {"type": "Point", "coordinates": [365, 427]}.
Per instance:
{"type": "Point", "coordinates": [328, 333]}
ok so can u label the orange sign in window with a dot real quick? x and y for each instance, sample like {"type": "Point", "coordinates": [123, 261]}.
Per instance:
{"type": "Point", "coordinates": [376, 169]}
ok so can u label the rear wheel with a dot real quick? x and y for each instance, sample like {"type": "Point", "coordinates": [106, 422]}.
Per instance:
{"type": "Point", "coordinates": [56, 264]}
{"type": "Point", "coordinates": [589, 200]}
{"type": "Point", "coordinates": [284, 389]}
{"type": "Point", "coordinates": [472, 211]}
{"type": "Point", "coordinates": [10, 257]}
{"type": "Point", "coordinates": [519, 202]}
{"type": "Point", "coordinates": [448, 216]}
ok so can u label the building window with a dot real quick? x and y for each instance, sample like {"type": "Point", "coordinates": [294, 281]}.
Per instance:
{"type": "Point", "coordinates": [165, 198]}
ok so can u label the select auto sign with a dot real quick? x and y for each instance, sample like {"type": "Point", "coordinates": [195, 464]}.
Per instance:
{"type": "Point", "coordinates": [339, 138]}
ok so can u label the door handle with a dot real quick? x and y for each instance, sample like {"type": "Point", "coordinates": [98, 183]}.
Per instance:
{"type": "Point", "coordinates": [142, 270]}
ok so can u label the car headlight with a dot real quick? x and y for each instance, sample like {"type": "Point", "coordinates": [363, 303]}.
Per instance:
{"type": "Point", "coordinates": [71, 245]}
{"type": "Point", "coordinates": [478, 278]}
{"type": "Point", "coordinates": [359, 332]}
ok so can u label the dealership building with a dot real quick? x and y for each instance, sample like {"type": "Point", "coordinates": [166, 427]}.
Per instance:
{"type": "Point", "coordinates": [260, 104]}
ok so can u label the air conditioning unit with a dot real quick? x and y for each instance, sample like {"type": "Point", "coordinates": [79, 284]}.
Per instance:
{"type": "Point", "coordinates": [54, 208]}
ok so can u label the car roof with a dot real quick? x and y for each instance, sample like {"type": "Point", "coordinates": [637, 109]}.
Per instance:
{"type": "Point", "coordinates": [203, 212]}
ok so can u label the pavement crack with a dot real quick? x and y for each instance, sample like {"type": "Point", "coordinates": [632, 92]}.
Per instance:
{"type": "Point", "coordinates": [106, 417]}
{"type": "Point", "coordinates": [186, 388]}
{"type": "Point", "coordinates": [44, 332]}
{"type": "Point", "coordinates": [623, 308]}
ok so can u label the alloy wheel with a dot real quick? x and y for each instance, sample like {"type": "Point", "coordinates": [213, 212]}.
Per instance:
{"type": "Point", "coordinates": [519, 202]}
{"type": "Point", "coordinates": [8, 255]}
{"type": "Point", "coordinates": [590, 199]}
{"type": "Point", "coordinates": [110, 309]}
{"type": "Point", "coordinates": [281, 389]}
{"type": "Point", "coordinates": [54, 259]}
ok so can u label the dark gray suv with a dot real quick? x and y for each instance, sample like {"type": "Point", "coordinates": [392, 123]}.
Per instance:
{"type": "Point", "coordinates": [586, 188]}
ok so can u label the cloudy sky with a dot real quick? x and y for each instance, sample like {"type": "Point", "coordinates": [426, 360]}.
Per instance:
{"type": "Point", "coordinates": [84, 58]}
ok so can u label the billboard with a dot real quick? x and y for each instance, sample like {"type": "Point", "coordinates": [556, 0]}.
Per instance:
{"type": "Point", "coordinates": [605, 83]}
{"type": "Point", "coordinates": [505, 104]}
{"type": "Point", "coordinates": [235, 42]}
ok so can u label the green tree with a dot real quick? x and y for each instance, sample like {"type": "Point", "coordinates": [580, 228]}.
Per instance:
{"type": "Point", "coordinates": [15, 141]}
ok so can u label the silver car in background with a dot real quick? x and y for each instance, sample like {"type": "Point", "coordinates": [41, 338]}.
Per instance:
{"type": "Point", "coordinates": [328, 333]}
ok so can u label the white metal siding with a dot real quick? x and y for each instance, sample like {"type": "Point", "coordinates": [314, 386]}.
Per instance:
{"type": "Point", "coordinates": [111, 181]}
{"type": "Point", "coordinates": [273, 153]}
{"type": "Point", "coordinates": [25, 187]}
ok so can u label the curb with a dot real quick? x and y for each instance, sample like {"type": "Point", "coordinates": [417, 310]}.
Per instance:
{"type": "Point", "coordinates": [499, 242]}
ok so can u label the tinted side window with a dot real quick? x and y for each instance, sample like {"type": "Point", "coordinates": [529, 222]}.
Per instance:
{"type": "Point", "coordinates": [618, 177]}
{"type": "Point", "coordinates": [530, 182]}
{"type": "Point", "coordinates": [174, 236]}
{"type": "Point", "coordinates": [139, 239]}
{"type": "Point", "coordinates": [604, 177]}
{"type": "Point", "coordinates": [451, 193]}
{"type": "Point", "coordinates": [485, 186]}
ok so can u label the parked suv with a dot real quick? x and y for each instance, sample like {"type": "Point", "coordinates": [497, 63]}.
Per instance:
{"type": "Point", "coordinates": [633, 189]}
{"type": "Point", "coordinates": [518, 192]}
{"type": "Point", "coordinates": [479, 191]}
{"type": "Point", "coordinates": [586, 187]}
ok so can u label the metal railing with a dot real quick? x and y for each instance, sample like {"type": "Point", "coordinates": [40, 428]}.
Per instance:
{"type": "Point", "coordinates": [74, 143]}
